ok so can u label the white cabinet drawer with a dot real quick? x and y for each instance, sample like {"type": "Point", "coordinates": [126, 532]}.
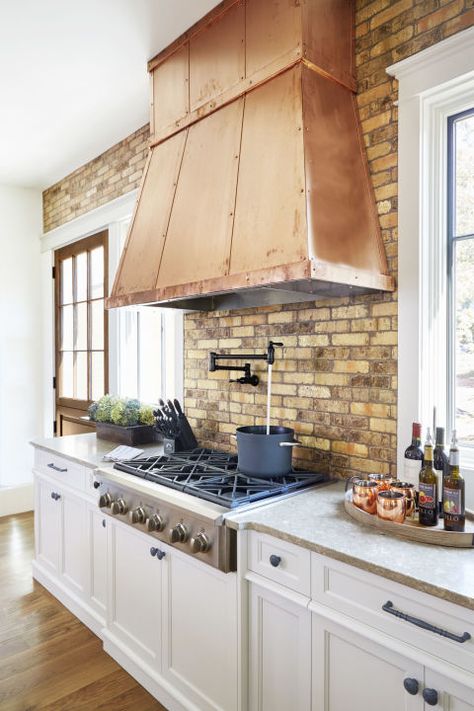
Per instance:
{"type": "Point", "coordinates": [64, 470]}
{"type": "Point", "coordinates": [363, 596]}
{"type": "Point", "coordinates": [282, 562]}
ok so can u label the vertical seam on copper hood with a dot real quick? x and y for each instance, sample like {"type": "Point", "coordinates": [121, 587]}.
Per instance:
{"type": "Point", "coordinates": [231, 241]}
{"type": "Point", "coordinates": [172, 206]}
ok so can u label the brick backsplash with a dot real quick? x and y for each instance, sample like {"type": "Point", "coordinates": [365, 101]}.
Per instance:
{"type": "Point", "coordinates": [336, 380]}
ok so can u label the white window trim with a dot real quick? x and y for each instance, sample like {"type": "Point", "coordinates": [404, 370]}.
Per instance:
{"type": "Point", "coordinates": [433, 84]}
{"type": "Point", "coordinates": [115, 217]}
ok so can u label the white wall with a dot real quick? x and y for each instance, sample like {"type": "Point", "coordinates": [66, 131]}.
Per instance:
{"type": "Point", "coordinates": [20, 335]}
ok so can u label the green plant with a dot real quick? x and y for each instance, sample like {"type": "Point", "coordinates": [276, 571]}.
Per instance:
{"type": "Point", "coordinates": [125, 412]}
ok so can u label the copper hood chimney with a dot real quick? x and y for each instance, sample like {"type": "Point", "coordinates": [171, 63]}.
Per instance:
{"type": "Point", "coordinates": [256, 189]}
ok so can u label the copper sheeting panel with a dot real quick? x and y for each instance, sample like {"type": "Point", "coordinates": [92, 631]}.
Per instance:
{"type": "Point", "coordinates": [198, 240]}
{"type": "Point", "coordinates": [270, 215]}
{"type": "Point", "coordinates": [217, 57]}
{"type": "Point", "coordinates": [171, 90]}
{"type": "Point", "coordinates": [273, 29]}
{"type": "Point", "coordinates": [142, 254]}
{"type": "Point", "coordinates": [328, 35]}
{"type": "Point", "coordinates": [342, 220]}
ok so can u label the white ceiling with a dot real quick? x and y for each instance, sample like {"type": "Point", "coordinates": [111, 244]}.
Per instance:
{"type": "Point", "coordinates": [73, 78]}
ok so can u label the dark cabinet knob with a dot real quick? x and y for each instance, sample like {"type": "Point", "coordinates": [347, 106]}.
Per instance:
{"type": "Point", "coordinates": [412, 686]}
{"type": "Point", "coordinates": [96, 484]}
{"type": "Point", "coordinates": [430, 696]}
{"type": "Point", "coordinates": [153, 551]}
{"type": "Point", "coordinates": [275, 560]}
{"type": "Point", "coordinates": [160, 554]}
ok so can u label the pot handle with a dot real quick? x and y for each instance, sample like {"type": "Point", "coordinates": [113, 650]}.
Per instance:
{"type": "Point", "coordinates": [290, 444]}
{"type": "Point", "coordinates": [351, 481]}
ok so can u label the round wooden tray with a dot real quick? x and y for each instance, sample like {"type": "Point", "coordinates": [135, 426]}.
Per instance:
{"type": "Point", "coordinates": [436, 535]}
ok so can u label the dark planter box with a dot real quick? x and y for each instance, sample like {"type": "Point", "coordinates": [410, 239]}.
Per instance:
{"type": "Point", "coordinates": [138, 434]}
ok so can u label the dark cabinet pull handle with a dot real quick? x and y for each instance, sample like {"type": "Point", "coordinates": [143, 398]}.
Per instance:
{"type": "Point", "coordinates": [160, 554]}
{"type": "Point", "coordinates": [412, 686]}
{"type": "Point", "coordinates": [430, 696]}
{"type": "Point", "coordinates": [388, 607]}
{"type": "Point", "coordinates": [275, 560]}
{"type": "Point", "coordinates": [153, 551]}
{"type": "Point", "coordinates": [56, 469]}
{"type": "Point", "coordinates": [55, 496]}
{"type": "Point", "coordinates": [103, 523]}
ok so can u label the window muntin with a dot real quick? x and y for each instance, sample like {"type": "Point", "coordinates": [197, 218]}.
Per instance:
{"type": "Point", "coordinates": [461, 275]}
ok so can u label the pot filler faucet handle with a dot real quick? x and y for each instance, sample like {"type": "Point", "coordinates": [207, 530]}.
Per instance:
{"type": "Point", "coordinates": [271, 351]}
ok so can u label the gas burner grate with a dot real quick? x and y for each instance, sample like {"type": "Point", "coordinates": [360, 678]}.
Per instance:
{"type": "Point", "coordinates": [214, 476]}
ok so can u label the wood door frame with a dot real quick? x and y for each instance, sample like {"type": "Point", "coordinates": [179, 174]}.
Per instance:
{"type": "Point", "coordinates": [66, 405]}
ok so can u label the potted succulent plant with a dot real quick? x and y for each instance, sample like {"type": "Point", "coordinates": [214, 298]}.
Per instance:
{"type": "Point", "coordinates": [123, 420]}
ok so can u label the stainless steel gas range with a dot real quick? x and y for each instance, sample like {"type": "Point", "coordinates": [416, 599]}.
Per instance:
{"type": "Point", "coordinates": [181, 499]}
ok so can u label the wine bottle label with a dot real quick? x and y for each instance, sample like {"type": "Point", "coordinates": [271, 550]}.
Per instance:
{"type": "Point", "coordinates": [452, 501]}
{"type": "Point", "coordinates": [411, 471]}
{"type": "Point", "coordinates": [439, 476]}
{"type": "Point", "coordinates": [428, 497]}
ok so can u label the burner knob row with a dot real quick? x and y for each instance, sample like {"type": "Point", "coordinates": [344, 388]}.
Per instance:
{"type": "Point", "coordinates": [179, 534]}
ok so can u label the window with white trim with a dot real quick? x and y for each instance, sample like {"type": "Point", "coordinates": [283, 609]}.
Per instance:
{"type": "Point", "coordinates": [436, 245]}
{"type": "Point", "coordinates": [460, 239]}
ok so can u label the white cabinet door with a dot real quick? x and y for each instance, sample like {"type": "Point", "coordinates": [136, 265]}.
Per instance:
{"type": "Point", "coordinates": [450, 695]}
{"type": "Point", "coordinates": [280, 653]}
{"type": "Point", "coordinates": [47, 525]}
{"type": "Point", "coordinates": [353, 673]}
{"type": "Point", "coordinates": [97, 537]}
{"type": "Point", "coordinates": [134, 603]}
{"type": "Point", "coordinates": [200, 632]}
{"type": "Point", "coordinates": [74, 550]}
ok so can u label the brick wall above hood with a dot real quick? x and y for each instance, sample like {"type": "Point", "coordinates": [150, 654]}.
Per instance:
{"type": "Point", "coordinates": [256, 188]}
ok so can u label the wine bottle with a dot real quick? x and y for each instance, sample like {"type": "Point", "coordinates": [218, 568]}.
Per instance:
{"type": "Point", "coordinates": [440, 465]}
{"type": "Point", "coordinates": [454, 492]}
{"type": "Point", "coordinates": [428, 488]}
{"type": "Point", "coordinates": [413, 457]}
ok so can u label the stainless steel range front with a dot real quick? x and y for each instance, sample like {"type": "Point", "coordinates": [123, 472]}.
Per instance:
{"type": "Point", "coordinates": [186, 496]}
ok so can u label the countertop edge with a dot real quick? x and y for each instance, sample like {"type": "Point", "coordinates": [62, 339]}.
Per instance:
{"type": "Point", "coordinates": [427, 588]}
{"type": "Point", "coordinates": [70, 457]}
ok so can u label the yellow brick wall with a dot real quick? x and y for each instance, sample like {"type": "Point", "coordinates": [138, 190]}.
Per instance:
{"type": "Point", "coordinates": [336, 383]}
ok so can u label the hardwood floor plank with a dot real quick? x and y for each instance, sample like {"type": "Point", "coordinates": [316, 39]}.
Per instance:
{"type": "Point", "coordinates": [49, 660]}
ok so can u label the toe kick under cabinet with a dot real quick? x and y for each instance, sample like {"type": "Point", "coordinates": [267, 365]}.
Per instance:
{"type": "Point", "coordinates": [320, 640]}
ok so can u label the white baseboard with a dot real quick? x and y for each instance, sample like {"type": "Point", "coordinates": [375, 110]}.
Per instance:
{"type": "Point", "coordinates": [16, 499]}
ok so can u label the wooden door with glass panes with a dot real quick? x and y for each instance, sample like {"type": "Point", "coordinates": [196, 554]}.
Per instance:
{"type": "Point", "coordinates": [81, 331]}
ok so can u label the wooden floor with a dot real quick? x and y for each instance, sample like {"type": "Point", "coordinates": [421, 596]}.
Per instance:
{"type": "Point", "coordinates": [48, 659]}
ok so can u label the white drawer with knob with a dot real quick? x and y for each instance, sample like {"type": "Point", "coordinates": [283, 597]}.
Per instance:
{"type": "Point", "coordinates": [63, 470]}
{"type": "Point", "coordinates": [280, 561]}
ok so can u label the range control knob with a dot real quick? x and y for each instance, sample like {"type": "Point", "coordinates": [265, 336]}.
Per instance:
{"type": "Point", "coordinates": [138, 515]}
{"type": "Point", "coordinates": [119, 507]}
{"type": "Point", "coordinates": [105, 501]}
{"type": "Point", "coordinates": [156, 522]}
{"type": "Point", "coordinates": [179, 534]}
{"type": "Point", "coordinates": [200, 543]}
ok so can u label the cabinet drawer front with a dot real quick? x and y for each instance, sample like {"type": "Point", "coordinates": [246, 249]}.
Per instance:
{"type": "Point", "coordinates": [282, 562]}
{"type": "Point", "coordinates": [64, 470]}
{"type": "Point", "coordinates": [364, 596]}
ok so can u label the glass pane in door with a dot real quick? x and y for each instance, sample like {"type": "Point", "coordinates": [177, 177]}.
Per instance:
{"type": "Point", "coordinates": [464, 340]}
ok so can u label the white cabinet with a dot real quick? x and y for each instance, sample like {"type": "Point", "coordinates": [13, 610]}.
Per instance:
{"type": "Point", "coordinates": [97, 559]}
{"type": "Point", "coordinates": [352, 672]}
{"type": "Point", "coordinates": [134, 604]}
{"type": "Point", "coordinates": [73, 537]}
{"type": "Point", "coordinates": [200, 632]}
{"type": "Point", "coordinates": [450, 695]}
{"type": "Point", "coordinates": [47, 525]}
{"type": "Point", "coordinates": [280, 652]}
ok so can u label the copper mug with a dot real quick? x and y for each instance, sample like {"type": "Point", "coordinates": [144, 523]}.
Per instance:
{"type": "Point", "coordinates": [409, 491]}
{"type": "Point", "coordinates": [391, 506]}
{"type": "Point", "coordinates": [383, 481]}
{"type": "Point", "coordinates": [364, 495]}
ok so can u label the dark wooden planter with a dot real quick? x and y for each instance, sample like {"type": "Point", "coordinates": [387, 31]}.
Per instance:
{"type": "Point", "coordinates": [138, 434]}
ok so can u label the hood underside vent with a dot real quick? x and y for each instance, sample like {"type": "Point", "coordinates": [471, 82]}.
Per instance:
{"type": "Point", "coordinates": [256, 188]}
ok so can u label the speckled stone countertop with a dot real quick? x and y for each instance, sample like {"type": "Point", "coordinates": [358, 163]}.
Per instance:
{"type": "Point", "coordinates": [316, 519]}
{"type": "Point", "coordinates": [87, 449]}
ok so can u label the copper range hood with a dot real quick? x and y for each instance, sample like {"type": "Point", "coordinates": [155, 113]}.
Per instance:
{"type": "Point", "coordinates": [256, 189]}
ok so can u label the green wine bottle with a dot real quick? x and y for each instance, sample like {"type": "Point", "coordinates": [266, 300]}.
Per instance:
{"type": "Point", "coordinates": [454, 492]}
{"type": "Point", "coordinates": [428, 488]}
